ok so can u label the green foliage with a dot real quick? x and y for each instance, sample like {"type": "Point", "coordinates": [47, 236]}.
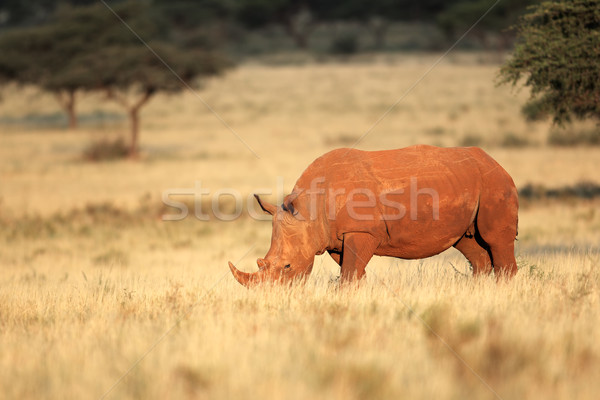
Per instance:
{"type": "Point", "coordinates": [89, 48]}
{"type": "Point", "coordinates": [558, 55]}
{"type": "Point", "coordinates": [535, 110]}
{"type": "Point", "coordinates": [259, 13]}
{"type": "Point", "coordinates": [219, 24]}
{"type": "Point", "coordinates": [15, 12]}
{"type": "Point", "coordinates": [344, 44]}
{"type": "Point", "coordinates": [194, 24]}
{"type": "Point", "coordinates": [124, 67]}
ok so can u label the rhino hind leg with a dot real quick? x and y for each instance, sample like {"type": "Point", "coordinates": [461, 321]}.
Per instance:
{"type": "Point", "coordinates": [497, 221]}
{"type": "Point", "coordinates": [358, 249]}
{"type": "Point", "coordinates": [472, 246]}
{"type": "Point", "coordinates": [503, 256]}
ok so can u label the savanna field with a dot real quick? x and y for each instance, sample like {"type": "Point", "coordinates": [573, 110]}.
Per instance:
{"type": "Point", "coordinates": [100, 297]}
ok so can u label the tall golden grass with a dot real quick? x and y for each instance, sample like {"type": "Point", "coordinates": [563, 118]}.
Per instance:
{"type": "Point", "coordinates": [99, 296]}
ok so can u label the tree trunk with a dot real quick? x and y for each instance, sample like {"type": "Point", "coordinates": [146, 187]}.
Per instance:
{"type": "Point", "coordinates": [66, 100]}
{"type": "Point", "coordinates": [70, 107]}
{"type": "Point", "coordinates": [134, 118]}
{"type": "Point", "coordinates": [134, 115]}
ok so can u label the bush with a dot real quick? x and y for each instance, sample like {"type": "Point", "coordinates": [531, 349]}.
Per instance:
{"type": "Point", "coordinates": [343, 139]}
{"type": "Point", "coordinates": [471, 140]}
{"type": "Point", "coordinates": [106, 149]}
{"type": "Point", "coordinates": [573, 137]}
{"type": "Point", "coordinates": [579, 190]}
{"type": "Point", "coordinates": [535, 110]}
{"type": "Point", "coordinates": [344, 44]}
{"type": "Point", "coordinates": [514, 140]}
{"type": "Point", "coordinates": [436, 131]}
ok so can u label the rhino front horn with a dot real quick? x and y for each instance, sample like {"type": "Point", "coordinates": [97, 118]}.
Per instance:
{"type": "Point", "coordinates": [244, 278]}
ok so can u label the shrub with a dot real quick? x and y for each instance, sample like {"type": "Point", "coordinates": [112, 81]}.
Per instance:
{"type": "Point", "coordinates": [514, 140]}
{"type": "Point", "coordinates": [111, 257]}
{"type": "Point", "coordinates": [343, 139]}
{"type": "Point", "coordinates": [106, 149]}
{"type": "Point", "coordinates": [436, 131]}
{"type": "Point", "coordinates": [573, 137]}
{"type": "Point", "coordinates": [471, 140]}
{"type": "Point", "coordinates": [535, 110]}
{"type": "Point", "coordinates": [344, 44]}
{"type": "Point", "coordinates": [580, 190]}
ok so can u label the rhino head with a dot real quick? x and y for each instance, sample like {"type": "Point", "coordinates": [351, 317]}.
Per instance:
{"type": "Point", "coordinates": [296, 238]}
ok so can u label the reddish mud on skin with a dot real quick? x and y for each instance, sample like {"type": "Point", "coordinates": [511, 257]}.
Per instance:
{"type": "Point", "coordinates": [426, 200]}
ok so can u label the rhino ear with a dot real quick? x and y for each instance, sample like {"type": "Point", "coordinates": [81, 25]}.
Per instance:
{"type": "Point", "coordinates": [288, 203]}
{"type": "Point", "coordinates": [266, 207]}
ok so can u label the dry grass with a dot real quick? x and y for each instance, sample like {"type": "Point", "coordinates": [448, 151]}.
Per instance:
{"type": "Point", "coordinates": [91, 278]}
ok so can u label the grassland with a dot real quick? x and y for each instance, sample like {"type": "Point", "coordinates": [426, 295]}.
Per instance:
{"type": "Point", "coordinates": [91, 278]}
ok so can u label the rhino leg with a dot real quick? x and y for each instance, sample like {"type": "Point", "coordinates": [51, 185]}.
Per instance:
{"type": "Point", "coordinates": [358, 249]}
{"type": "Point", "coordinates": [497, 224]}
{"type": "Point", "coordinates": [475, 250]}
{"type": "Point", "coordinates": [503, 256]}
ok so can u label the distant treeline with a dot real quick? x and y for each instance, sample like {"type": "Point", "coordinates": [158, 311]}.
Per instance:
{"type": "Point", "coordinates": [219, 23]}
{"type": "Point", "coordinates": [580, 190]}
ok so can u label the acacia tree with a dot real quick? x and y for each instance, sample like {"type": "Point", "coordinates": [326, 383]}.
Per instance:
{"type": "Point", "coordinates": [132, 75]}
{"type": "Point", "coordinates": [558, 54]}
{"type": "Point", "coordinates": [89, 49]}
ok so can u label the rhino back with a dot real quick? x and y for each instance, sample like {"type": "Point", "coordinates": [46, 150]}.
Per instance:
{"type": "Point", "coordinates": [423, 197]}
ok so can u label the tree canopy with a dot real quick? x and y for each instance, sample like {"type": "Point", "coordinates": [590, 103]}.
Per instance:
{"type": "Point", "coordinates": [558, 55]}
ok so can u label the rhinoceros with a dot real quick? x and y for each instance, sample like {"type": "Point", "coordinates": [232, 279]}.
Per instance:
{"type": "Point", "coordinates": [408, 203]}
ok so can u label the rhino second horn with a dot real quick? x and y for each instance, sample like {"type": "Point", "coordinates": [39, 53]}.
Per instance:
{"type": "Point", "coordinates": [242, 277]}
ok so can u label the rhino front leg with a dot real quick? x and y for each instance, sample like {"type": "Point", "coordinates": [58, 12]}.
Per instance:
{"type": "Point", "coordinates": [357, 250]}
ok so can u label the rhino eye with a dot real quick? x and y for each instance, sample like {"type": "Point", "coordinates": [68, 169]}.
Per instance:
{"type": "Point", "coordinates": [287, 266]}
